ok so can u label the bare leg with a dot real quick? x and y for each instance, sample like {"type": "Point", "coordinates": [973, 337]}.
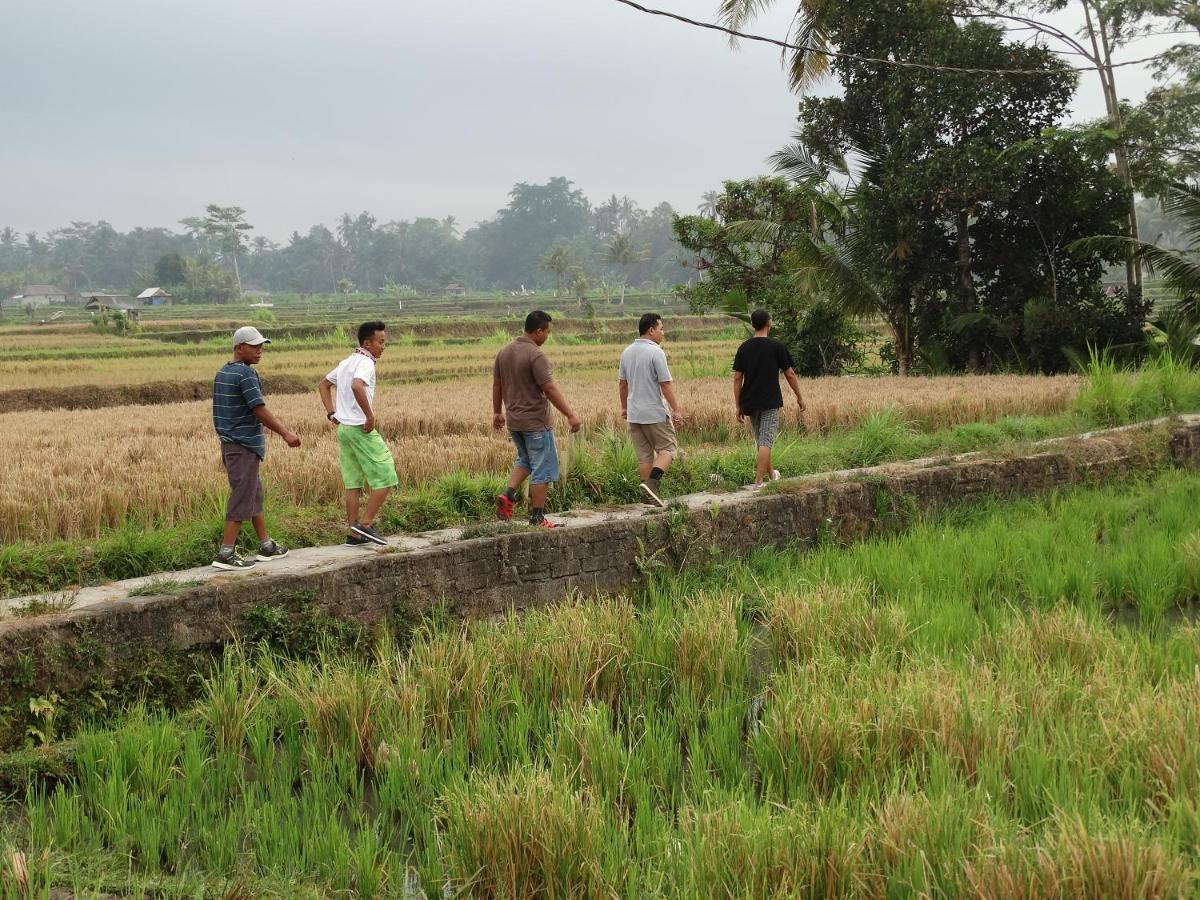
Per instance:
{"type": "Point", "coordinates": [644, 469]}
{"type": "Point", "coordinates": [352, 497]}
{"type": "Point", "coordinates": [374, 501]}
{"type": "Point", "coordinates": [537, 495]}
{"type": "Point", "coordinates": [518, 476]}
{"type": "Point", "coordinates": [762, 471]}
{"type": "Point", "coordinates": [230, 534]}
{"type": "Point", "coordinates": [662, 461]}
{"type": "Point", "coordinates": [260, 527]}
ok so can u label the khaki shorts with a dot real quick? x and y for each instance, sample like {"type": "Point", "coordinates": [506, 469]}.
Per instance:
{"type": "Point", "coordinates": [651, 440]}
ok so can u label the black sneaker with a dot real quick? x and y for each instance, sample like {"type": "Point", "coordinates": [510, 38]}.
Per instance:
{"type": "Point", "coordinates": [368, 532]}
{"type": "Point", "coordinates": [353, 540]}
{"type": "Point", "coordinates": [650, 491]}
{"type": "Point", "coordinates": [232, 562]}
{"type": "Point", "coordinates": [271, 551]}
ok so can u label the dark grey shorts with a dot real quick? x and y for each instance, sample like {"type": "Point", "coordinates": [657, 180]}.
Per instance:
{"type": "Point", "coordinates": [245, 487]}
{"type": "Point", "coordinates": [765, 423]}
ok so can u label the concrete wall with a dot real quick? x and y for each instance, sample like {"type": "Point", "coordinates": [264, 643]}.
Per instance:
{"type": "Point", "coordinates": [109, 641]}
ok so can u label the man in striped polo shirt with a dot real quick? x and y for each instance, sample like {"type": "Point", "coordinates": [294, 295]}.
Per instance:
{"type": "Point", "coordinates": [239, 414]}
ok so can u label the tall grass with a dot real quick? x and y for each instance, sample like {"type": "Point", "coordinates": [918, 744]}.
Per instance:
{"type": "Point", "coordinates": [952, 711]}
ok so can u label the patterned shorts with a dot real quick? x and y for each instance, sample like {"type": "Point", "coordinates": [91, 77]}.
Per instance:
{"type": "Point", "coordinates": [765, 423]}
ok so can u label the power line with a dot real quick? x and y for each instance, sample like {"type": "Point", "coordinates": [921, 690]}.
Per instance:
{"type": "Point", "coordinates": [902, 64]}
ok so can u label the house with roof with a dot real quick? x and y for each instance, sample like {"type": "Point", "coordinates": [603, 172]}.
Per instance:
{"type": "Point", "coordinates": [107, 303]}
{"type": "Point", "coordinates": [154, 296]}
{"type": "Point", "coordinates": [37, 295]}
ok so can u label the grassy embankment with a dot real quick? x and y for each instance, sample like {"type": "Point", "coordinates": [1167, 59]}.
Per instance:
{"type": "Point", "coordinates": [144, 492]}
{"type": "Point", "coordinates": [949, 711]}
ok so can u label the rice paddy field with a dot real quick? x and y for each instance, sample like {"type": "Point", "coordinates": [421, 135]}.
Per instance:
{"type": "Point", "coordinates": [95, 494]}
{"type": "Point", "coordinates": [999, 702]}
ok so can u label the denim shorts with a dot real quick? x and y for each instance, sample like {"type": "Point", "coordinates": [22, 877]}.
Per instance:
{"type": "Point", "coordinates": [537, 453]}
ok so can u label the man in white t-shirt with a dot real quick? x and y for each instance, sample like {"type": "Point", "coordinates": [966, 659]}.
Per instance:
{"type": "Point", "coordinates": [348, 394]}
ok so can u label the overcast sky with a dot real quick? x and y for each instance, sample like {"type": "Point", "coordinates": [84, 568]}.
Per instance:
{"type": "Point", "coordinates": [143, 111]}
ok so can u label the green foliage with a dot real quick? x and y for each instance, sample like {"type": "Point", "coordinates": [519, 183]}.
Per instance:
{"type": "Point", "coordinates": [826, 342]}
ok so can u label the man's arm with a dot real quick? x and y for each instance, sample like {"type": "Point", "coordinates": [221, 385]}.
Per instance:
{"type": "Point", "coordinates": [325, 389]}
{"type": "Point", "coordinates": [555, 396]}
{"type": "Point", "coordinates": [623, 391]}
{"type": "Point", "coordinates": [359, 387]}
{"type": "Point", "coordinates": [738, 377]}
{"type": "Point", "coordinates": [267, 417]}
{"type": "Point", "coordinates": [497, 398]}
{"type": "Point", "coordinates": [668, 392]}
{"type": "Point", "coordinates": [794, 384]}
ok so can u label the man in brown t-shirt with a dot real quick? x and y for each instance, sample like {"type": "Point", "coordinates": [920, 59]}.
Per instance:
{"type": "Point", "coordinates": [521, 381]}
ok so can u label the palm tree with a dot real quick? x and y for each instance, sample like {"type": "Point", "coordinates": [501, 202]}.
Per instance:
{"type": "Point", "coordinates": [861, 270]}
{"type": "Point", "coordinates": [808, 29]}
{"type": "Point", "coordinates": [620, 251]}
{"type": "Point", "coordinates": [558, 260]}
{"type": "Point", "coordinates": [708, 204]}
{"type": "Point", "coordinates": [1180, 269]}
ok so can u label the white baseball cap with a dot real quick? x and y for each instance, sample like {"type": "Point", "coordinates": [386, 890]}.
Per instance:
{"type": "Point", "coordinates": [248, 334]}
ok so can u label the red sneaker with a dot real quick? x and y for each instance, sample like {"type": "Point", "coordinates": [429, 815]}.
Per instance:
{"type": "Point", "coordinates": [504, 507]}
{"type": "Point", "coordinates": [544, 523]}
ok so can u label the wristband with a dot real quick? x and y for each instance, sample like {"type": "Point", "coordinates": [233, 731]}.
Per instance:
{"type": "Point", "coordinates": [330, 415]}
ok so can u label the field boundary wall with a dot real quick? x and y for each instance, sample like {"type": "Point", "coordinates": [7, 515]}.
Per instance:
{"type": "Point", "coordinates": [110, 642]}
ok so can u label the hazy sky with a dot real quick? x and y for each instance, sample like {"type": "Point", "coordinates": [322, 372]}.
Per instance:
{"type": "Point", "coordinates": [143, 111]}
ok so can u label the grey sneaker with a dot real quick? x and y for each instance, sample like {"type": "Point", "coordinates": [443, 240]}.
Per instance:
{"type": "Point", "coordinates": [650, 493]}
{"type": "Point", "coordinates": [231, 562]}
{"type": "Point", "coordinates": [353, 540]}
{"type": "Point", "coordinates": [271, 551]}
{"type": "Point", "coordinates": [368, 532]}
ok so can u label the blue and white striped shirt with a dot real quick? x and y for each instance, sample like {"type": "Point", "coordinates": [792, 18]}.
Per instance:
{"type": "Point", "coordinates": [237, 390]}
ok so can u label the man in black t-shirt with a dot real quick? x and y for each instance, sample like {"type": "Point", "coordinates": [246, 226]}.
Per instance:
{"type": "Point", "coordinates": [756, 392]}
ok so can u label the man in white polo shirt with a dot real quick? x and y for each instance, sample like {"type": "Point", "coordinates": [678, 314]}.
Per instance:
{"type": "Point", "coordinates": [348, 395]}
{"type": "Point", "coordinates": [649, 405]}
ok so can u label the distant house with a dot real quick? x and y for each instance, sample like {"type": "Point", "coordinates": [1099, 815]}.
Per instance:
{"type": "Point", "coordinates": [37, 295]}
{"type": "Point", "coordinates": [112, 303]}
{"type": "Point", "coordinates": [155, 296]}
{"type": "Point", "coordinates": [454, 289]}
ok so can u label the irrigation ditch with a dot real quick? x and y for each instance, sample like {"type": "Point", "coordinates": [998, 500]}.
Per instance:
{"type": "Point", "coordinates": [59, 667]}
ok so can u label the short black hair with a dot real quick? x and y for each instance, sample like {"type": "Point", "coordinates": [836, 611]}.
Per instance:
{"type": "Point", "coordinates": [648, 321]}
{"type": "Point", "coordinates": [759, 319]}
{"type": "Point", "coordinates": [367, 329]}
{"type": "Point", "coordinates": [537, 320]}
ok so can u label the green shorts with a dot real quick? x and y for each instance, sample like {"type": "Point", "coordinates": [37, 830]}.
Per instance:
{"type": "Point", "coordinates": [365, 459]}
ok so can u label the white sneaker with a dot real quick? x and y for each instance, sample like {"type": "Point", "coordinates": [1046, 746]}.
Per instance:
{"type": "Point", "coordinates": [775, 476]}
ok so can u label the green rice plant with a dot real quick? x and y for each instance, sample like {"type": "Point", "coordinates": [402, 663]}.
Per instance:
{"type": "Point", "coordinates": [525, 835]}
{"type": "Point", "coordinates": [740, 849]}
{"type": "Point", "coordinates": [838, 618]}
{"type": "Point", "coordinates": [232, 694]}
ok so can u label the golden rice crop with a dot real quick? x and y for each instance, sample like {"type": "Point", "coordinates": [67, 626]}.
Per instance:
{"type": "Point", "coordinates": [74, 474]}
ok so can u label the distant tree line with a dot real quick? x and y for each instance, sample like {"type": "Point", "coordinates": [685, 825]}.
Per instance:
{"type": "Point", "coordinates": [548, 235]}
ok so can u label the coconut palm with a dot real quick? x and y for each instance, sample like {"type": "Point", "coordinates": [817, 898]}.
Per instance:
{"type": "Point", "coordinates": [1179, 269]}
{"type": "Point", "coordinates": [858, 268]}
{"type": "Point", "coordinates": [558, 260]}
{"type": "Point", "coordinates": [621, 251]}
{"type": "Point", "coordinates": [808, 29]}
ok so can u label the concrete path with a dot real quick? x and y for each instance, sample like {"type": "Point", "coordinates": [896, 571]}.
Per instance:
{"type": "Point", "coordinates": [304, 559]}
{"type": "Point", "coordinates": [307, 558]}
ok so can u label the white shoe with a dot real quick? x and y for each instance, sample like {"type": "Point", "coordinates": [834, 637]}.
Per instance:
{"type": "Point", "coordinates": [775, 476]}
